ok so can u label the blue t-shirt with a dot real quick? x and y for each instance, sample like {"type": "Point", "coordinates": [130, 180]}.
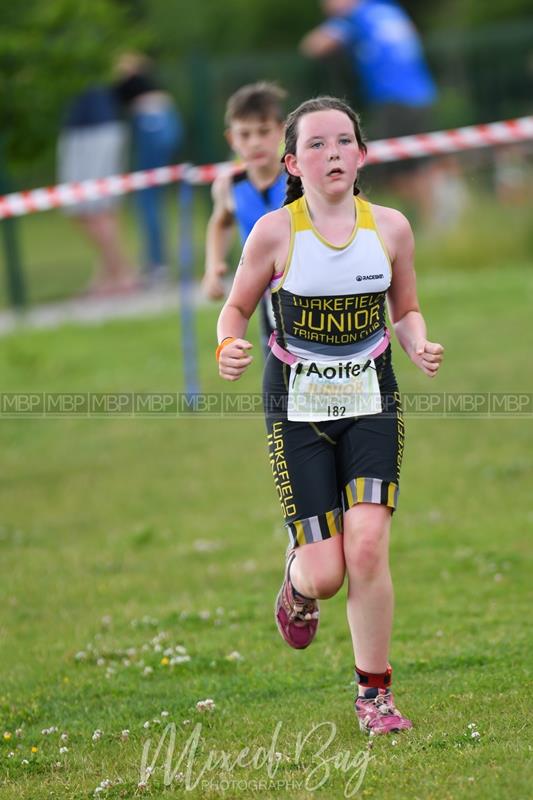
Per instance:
{"type": "Point", "coordinates": [251, 203]}
{"type": "Point", "coordinates": [386, 52]}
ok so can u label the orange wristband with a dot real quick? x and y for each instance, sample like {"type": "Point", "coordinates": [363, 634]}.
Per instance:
{"type": "Point", "coordinates": [222, 345]}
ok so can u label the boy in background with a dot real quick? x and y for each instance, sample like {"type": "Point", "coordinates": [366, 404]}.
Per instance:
{"type": "Point", "coordinates": [254, 129]}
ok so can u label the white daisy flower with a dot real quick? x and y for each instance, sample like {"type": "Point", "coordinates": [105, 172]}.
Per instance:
{"type": "Point", "coordinates": [234, 656]}
{"type": "Point", "coordinates": [205, 705]}
{"type": "Point", "coordinates": [179, 660]}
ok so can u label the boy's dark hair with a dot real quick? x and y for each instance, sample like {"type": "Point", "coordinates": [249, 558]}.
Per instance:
{"type": "Point", "coordinates": [324, 103]}
{"type": "Point", "coordinates": [263, 100]}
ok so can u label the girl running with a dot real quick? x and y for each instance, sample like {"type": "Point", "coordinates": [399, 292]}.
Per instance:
{"type": "Point", "coordinates": [332, 405]}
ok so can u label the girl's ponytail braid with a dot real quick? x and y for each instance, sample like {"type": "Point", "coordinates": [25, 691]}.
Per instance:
{"type": "Point", "coordinates": [294, 189]}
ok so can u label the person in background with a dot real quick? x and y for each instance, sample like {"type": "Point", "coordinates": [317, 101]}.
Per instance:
{"type": "Point", "coordinates": [156, 136]}
{"type": "Point", "coordinates": [254, 130]}
{"type": "Point", "coordinates": [91, 145]}
{"type": "Point", "coordinates": [395, 80]}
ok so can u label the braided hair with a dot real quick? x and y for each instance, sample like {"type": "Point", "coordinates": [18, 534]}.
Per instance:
{"type": "Point", "coordinates": [323, 103]}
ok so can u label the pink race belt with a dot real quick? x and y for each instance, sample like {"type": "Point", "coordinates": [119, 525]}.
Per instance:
{"type": "Point", "coordinates": [289, 358]}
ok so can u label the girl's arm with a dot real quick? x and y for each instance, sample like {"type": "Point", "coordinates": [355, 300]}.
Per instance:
{"type": "Point", "coordinates": [264, 253]}
{"type": "Point", "coordinates": [404, 310]}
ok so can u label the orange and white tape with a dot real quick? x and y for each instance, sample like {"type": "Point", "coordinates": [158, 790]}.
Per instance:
{"type": "Point", "coordinates": [380, 151]}
{"type": "Point", "coordinates": [439, 142]}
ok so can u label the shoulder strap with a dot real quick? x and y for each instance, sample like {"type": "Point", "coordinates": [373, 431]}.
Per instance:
{"type": "Point", "coordinates": [365, 216]}
{"type": "Point", "coordinates": [299, 217]}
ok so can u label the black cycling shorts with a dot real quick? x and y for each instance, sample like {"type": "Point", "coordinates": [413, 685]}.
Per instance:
{"type": "Point", "coordinates": [324, 468]}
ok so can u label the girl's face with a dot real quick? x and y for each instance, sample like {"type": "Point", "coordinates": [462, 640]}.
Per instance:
{"type": "Point", "coordinates": [327, 154]}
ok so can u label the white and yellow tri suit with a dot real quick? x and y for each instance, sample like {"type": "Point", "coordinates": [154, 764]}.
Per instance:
{"type": "Point", "coordinates": [329, 308]}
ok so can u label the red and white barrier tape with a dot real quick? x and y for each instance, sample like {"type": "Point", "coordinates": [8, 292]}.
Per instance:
{"type": "Point", "coordinates": [380, 151]}
{"type": "Point", "coordinates": [429, 144]}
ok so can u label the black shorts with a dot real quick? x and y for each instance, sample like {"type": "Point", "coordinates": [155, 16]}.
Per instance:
{"type": "Point", "coordinates": [322, 469]}
{"type": "Point", "coordinates": [392, 120]}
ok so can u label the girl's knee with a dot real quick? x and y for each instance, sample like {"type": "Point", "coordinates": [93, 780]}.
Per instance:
{"type": "Point", "coordinates": [366, 542]}
{"type": "Point", "coordinates": [366, 557]}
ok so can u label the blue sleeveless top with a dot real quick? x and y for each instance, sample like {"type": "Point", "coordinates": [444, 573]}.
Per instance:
{"type": "Point", "coordinates": [251, 203]}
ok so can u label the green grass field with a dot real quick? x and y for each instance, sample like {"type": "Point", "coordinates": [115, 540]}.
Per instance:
{"type": "Point", "coordinates": [125, 538]}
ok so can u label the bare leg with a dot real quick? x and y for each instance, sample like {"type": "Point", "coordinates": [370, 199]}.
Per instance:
{"type": "Point", "coordinates": [438, 191]}
{"type": "Point", "coordinates": [102, 230]}
{"type": "Point", "coordinates": [370, 593]}
{"type": "Point", "coordinates": [418, 186]}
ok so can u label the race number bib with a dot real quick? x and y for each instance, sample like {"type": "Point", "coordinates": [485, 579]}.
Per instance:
{"type": "Point", "coordinates": [325, 390]}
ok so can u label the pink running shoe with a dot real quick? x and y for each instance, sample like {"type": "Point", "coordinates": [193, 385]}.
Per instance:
{"type": "Point", "coordinates": [296, 617]}
{"type": "Point", "coordinates": [377, 713]}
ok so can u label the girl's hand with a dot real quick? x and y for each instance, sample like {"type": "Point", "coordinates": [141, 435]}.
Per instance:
{"type": "Point", "coordinates": [234, 359]}
{"type": "Point", "coordinates": [213, 286]}
{"type": "Point", "coordinates": [212, 283]}
{"type": "Point", "coordinates": [428, 356]}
